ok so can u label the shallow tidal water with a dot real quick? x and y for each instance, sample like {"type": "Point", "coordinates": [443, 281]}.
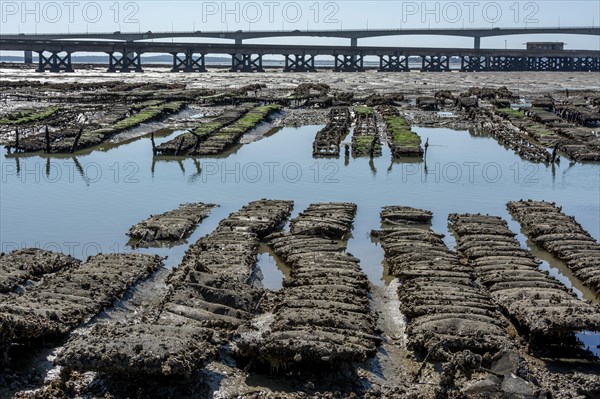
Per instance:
{"type": "Point", "coordinates": [85, 204]}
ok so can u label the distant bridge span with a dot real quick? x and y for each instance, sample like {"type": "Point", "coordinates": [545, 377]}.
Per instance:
{"type": "Point", "coordinates": [353, 35]}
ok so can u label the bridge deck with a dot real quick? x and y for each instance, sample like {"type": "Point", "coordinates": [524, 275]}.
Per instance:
{"type": "Point", "coordinates": [349, 34]}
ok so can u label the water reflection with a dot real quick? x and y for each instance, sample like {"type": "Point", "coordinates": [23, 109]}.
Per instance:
{"type": "Point", "coordinates": [272, 267]}
{"type": "Point", "coordinates": [123, 184]}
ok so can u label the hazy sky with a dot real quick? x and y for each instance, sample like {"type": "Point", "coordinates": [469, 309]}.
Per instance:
{"type": "Point", "coordinates": [178, 15]}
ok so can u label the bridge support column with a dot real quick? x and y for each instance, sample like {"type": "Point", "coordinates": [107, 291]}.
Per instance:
{"type": "Point", "coordinates": [246, 63]}
{"type": "Point", "coordinates": [538, 63]}
{"type": "Point", "coordinates": [349, 63]}
{"type": "Point", "coordinates": [562, 64]}
{"type": "Point", "coordinates": [54, 62]}
{"type": "Point", "coordinates": [188, 62]}
{"type": "Point", "coordinates": [127, 61]}
{"type": "Point", "coordinates": [435, 63]}
{"type": "Point", "coordinates": [28, 57]}
{"type": "Point", "coordinates": [507, 63]}
{"type": "Point", "coordinates": [585, 64]}
{"type": "Point", "coordinates": [477, 44]}
{"type": "Point", "coordinates": [473, 63]}
{"type": "Point", "coordinates": [299, 63]}
{"type": "Point", "coordinates": [393, 63]}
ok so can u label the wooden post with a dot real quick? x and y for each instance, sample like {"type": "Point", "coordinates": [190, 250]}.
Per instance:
{"type": "Point", "coordinates": [76, 140]}
{"type": "Point", "coordinates": [17, 140]}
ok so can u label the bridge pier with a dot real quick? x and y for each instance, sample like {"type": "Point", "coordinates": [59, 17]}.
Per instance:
{"type": "Point", "coordinates": [246, 63]}
{"type": "Point", "coordinates": [506, 63]}
{"type": "Point", "coordinates": [477, 44]}
{"type": "Point", "coordinates": [55, 62]}
{"type": "Point", "coordinates": [349, 63]}
{"type": "Point", "coordinates": [28, 57]}
{"type": "Point", "coordinates": [435, 63]}
{"type": "Point", "coordinates": [188, 62]}
{"type": "Point", "coordinates": [473, 63]}
{"type": "Point", "coordinates": [299, 63]}
{"type": "Point", "coordinates": [127, 61]}
{"type": "Point", "coordinates": [546, 64]}
{"type": "Point", "coordinates": [393, 63]}
{"type": "Point", "coordinates": [585, 64]}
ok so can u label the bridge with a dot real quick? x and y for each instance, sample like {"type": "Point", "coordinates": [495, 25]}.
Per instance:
{"type": "Point", "coordinates": [353, 35]}
{"type": "Point", "coordinates": [125, 50]}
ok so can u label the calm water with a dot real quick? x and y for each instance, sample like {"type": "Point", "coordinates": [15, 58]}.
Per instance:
{"type": "Point", "coordinates": [85, 204]}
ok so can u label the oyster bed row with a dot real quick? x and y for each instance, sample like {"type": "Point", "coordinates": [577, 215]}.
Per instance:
{"type": "Point", "coordinates": [401, 139]}
{"type": "Point", "coordinates": [209, 299]}
{"type": "Point", "coordinates": [217, 136]}
{"type": "Point", "coordinates": [323, 317]}
{"type": "Point", "coordinates": [189, 143]}
{"type": "Point", "coordinates": [67, 118]}
{"type": "Point", "coordinates": [548, 124]}
{"type": "Point", "coordinates": [562, 236]}
{"type": "Point", "coordinates": [171, 226]}
{"type": "Point", "coordinates": [365, 138]}
{"type": "Point", "coordinates": [445, 309]}
{"type": "Point", "coordinates": [539, 305]}
{"type": "Point", "coordinates": [64, 300]}
{"type": "Point", "coordinates": [30, 264]}
{"type": "Point", "coordinates": [327, 141]}
{"type": "Point", "coordinates": [478, 319]}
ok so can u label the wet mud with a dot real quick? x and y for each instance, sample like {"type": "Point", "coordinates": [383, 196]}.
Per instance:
{"type": "Point", "coordinates": [64, 300]}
